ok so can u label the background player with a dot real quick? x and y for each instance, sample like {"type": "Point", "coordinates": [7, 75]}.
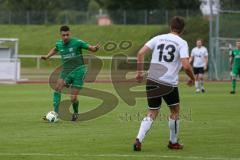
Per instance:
{"type": "Point", "coordinates": [171, 52]}
{"type": "Point", "coordinates": [235, 64]}
{"type": "Point", "coordinates": [199, 57]}
{"type": "Point", "coordinates": [74, 70]}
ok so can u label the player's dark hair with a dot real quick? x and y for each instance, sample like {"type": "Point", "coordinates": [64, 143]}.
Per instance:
{"type": "Point", "coordinates": [64, 28]}
{"type": "Point", "coordinates": [177, 24]}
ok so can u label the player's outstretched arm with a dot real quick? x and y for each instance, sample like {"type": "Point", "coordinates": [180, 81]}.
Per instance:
{"type": "Point", "coordinates": [94, 48]}
{"type": "Point", "coordinates": [140, 61]}
{"type": "Point", "coordinates": [188, 70]}
{"type": "Point", "coordinates": [50, 54]}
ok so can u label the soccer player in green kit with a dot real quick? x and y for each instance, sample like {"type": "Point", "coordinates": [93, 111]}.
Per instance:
{"type": "Point", "coordinates": [74, 70]}
{"type": "Point", "coordinates": [235, 64]}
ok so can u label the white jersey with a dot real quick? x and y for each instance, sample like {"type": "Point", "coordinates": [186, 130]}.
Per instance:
{"type": "Point", "coordinates": [167, 51]}
{"type": "Point", "coordinates": [199, 55]}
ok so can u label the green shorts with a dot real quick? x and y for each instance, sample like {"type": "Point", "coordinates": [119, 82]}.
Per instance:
{"type": "Point", "coordinates": [74, 78]}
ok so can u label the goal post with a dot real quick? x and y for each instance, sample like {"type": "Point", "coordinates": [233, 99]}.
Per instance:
{"type": "Point", "coordinates": [9, 62]}
{"type": "Point", "coordinates": [219, 60]}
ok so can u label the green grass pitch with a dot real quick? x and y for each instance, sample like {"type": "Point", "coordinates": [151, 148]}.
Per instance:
{"type": "Point", "coordinates": [210, 127]}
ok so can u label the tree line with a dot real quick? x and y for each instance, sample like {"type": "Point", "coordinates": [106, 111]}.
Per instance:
{"type": "Point", "coordinates": [84, 5]}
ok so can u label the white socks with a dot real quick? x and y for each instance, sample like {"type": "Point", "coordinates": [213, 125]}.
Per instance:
{"type": "Point", "coordinates": [144, 127]}
{"type": "Point", "coordinates": [201, 84]}
{"type": "Point", "coordinates": [174, 128]}
{"type": "Point", "coordinates": [197, 84]}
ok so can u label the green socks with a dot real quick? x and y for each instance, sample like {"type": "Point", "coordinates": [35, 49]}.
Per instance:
{"type": "Point", "coordinates": [234, 85]}
{"type": "Point", "coordinates": [56, 101]}
{"type": "Point", "coordinates": [75, 106]}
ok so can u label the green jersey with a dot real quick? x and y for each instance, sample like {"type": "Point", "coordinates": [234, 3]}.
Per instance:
{"type": "Point", "coordinates": [71, 53]}
{"type": "Point", "coordinates": [236, 57]}
{"type": "Point", "coordinates": [236, 62]}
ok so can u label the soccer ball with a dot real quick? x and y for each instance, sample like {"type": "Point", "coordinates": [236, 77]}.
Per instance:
{"type": "Point", "coordinates": [52, 116]}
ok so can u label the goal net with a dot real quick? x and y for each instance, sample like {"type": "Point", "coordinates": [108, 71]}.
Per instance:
{"type": "Point", "coordinates": [223, 36]}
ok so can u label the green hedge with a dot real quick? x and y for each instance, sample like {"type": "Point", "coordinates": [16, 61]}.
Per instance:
{"type": "Point", "coordinates": [39, 39]}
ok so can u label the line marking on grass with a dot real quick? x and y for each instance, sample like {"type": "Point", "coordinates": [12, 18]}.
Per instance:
{"type": "Point", "coordinates": [162, 156]}
{"type": "Point", "coordinates": [117, 156]}
{"type": "Point", "coordinates": [33, 154]}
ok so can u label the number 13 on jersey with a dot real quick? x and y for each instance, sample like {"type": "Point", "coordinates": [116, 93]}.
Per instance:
{"type": "Point", "coordinates": [166, 52]}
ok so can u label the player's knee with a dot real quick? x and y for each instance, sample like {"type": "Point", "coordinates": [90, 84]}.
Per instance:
{"type": "Point", "coordinates": [74, 99]}
{"type": "Point", "coordinates": [59, 86]}
{"type": "Point", "coordinates": [153, 113]}
{"type": "Point", "coordinates": [201, 77]}
{"type": "Point", "coordinates": [57, 89]}
{"type": "Point", "coordinates": [234, 77]}
{"type": "Point", "coordinates": [174, 112]}
{"type": "Point", "coordinates": [174, 116]}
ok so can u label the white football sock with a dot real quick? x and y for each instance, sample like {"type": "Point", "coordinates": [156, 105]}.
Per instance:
{"type": "Point", "coordinates": [144, 127]}
{"type": "Point", "coordinates": [197, 84]}
{"type": "Point", "coordinates": [201, 84]}
{"type": "Point", "coordinates": [174, 128]}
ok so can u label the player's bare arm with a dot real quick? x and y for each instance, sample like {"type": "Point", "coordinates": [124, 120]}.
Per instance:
{"type": "Point", "coordinates": [191, 59]}
{"type": "Point", "coordinates": [140, 60]}
{"type": "Point", "coordinates": [188, 70]}
{"type": "Point", "coordinates": [231, 61]}
{"type": "Point", "coordinates": [51, 53]}
{"type": "Point", "coordinates": [94, 48]}
{"type": "Point", "coordinates": [206, 62]}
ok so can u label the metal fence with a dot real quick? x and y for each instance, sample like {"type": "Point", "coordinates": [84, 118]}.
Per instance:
{"type": "Point", "coordinates": [87, 58]}
{"type": "Point", "coordinates": [81, 17]}
{"type": "Point", "coordinates": [224, 31]}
